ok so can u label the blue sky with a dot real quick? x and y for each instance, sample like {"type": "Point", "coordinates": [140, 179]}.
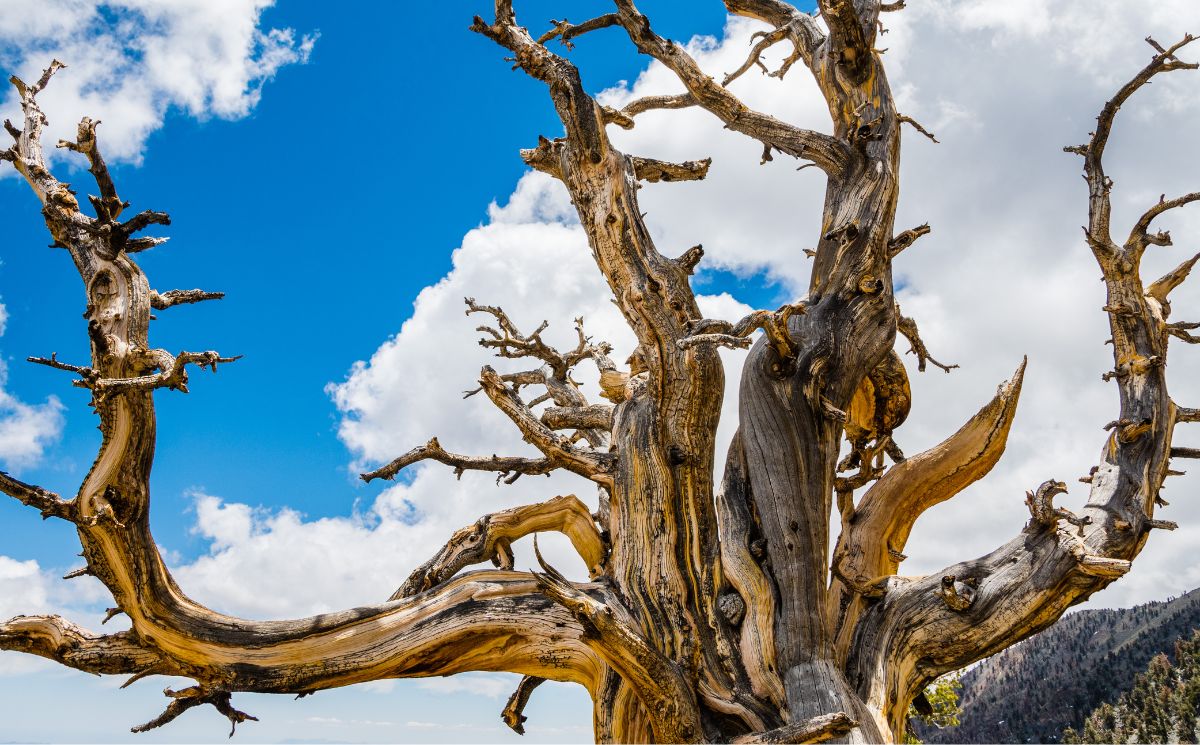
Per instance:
{"type": "Point", "coordinates": [326, 206]}
{"type": "Point", "coordinates": [321, 234]}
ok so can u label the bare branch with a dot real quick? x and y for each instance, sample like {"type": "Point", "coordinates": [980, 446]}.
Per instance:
{"type": "Point", "coordinates": [1163, 286]}
{"type": "Point", "coordinates": [58, 639]}
{"type": "Point", "coordinates": [906, 239]}
{"type": "Point", "coordinates": [773, 323]}
{"type": "Point", "coordinates": [46, 502]}
{"type": "Point", "coordinates": [172, 372]}
{"type": "Point", "coordinates": [590, 465]}
{"type": "Point", "coordinates": [669, 700]}
{"type": "Point", "coordinates": [514, 711]}
{"type": "Point", "coordinates": [143, 220]}
{"type": "Point", "coordinates": [916, 125]}
{"type": "Point", "coordinates": [817, 729]}
{"type": "Point", "coordinates": [565, 31]}
{"type": "Point", "coordinates": [164, 300]}
{"type": "Point", "coordinates": [509, 468]}
{"type": "Point", "coordinates": [109, 206]}
{"type": "Point", "coordinates": [649, 169]}
{"type": "Point", "coordinates": [189, 698]}
{"type": "Point", "coordinates": [651, 103]}
{"type": "Point", "coordinates": [1093, 152]}
{"type": "Point", "coordinates": [827, 152]}
{"type": "Point", "coordinates": [908, 327]}
{"type": "Point", "coordinates": [768, 40]}
{"type": "Point", "coordinates": [1140, 233]}
{"type": "Point", "coordinates": [872, 542]}
{"type": "Point", "coordinates": [596, 416]}
{"type": "Point", "coordinates": [490, 538]}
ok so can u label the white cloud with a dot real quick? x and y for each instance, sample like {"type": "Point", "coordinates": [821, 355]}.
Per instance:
{"type": "Point", "coordinates": [26, 430]}
{"type": "Point", "coordinates": [130, 61]}
{"type": "Point", "coordinates": [27, 588]}
{"type": "Point", "coordinates": [476, 684]}
{"type": "Point", "coordinates": [1004, 274]}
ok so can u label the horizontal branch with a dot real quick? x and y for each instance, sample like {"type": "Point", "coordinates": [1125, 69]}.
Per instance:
{"type": "Point", "coordinates": [773, 323]}
{"type": "Point", "coordinates": [817, 729]}
{"type": "Point", "coordinates": [906, 239]}
{"type": "Point", "coordinates": [596, 416]}
{"type": "Point", "coordinates": [57, 639]}
{"type": "Point", "coordinates": [649, 169]}
{"type": "Point", "coordinates": [653, 103]}
{"type": "Point", "coordinates": [164, 300]}
{"type": "Point", "coordinates": [509, 468]}
{"type": "Point", "coordinates": [172, 372]}
{"type": "Point", "coordinates": [565, 31]}
{"type": "Point", "coordinates": [42, 500]}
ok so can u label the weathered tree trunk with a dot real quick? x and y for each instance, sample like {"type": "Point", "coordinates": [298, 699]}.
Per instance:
{"type": "Point", "coordinates": [711, 614]}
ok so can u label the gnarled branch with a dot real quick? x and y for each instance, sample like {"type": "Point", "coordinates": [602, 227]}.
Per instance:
{"type": "Point", "coordinates": [490, 538]}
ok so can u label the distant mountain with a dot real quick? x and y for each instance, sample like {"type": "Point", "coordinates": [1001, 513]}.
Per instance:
{"type": "Point", "coordinates": [1161, 706]}
{"type": "Point", "coordinates": [1035, 690]}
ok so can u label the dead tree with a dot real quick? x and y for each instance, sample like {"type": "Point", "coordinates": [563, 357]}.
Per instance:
{"type": "Point", "coordinates": [713, 612]}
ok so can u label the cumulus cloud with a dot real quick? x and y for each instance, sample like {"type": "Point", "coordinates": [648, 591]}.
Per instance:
{"type": "Point", "coordinates": [530, 258]}
{"type": "Point", "coordinates": [26, 430]}
{"type": "Point", "coordinates": [1004, 274]}
{"type": "Point", "coordinates": [131, 61]}
{"type": "Point", "coordinates": [27, 588]}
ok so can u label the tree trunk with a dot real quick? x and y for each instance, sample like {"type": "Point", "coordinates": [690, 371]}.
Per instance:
{"type": "Point", "coordinates": [712, 614]}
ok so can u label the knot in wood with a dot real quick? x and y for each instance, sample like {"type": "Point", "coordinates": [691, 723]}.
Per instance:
{"type": "Point", "coordinates": [732, 607]}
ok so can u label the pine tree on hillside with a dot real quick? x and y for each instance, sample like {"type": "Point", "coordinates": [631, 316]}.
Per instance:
{"type": "Point", "coordinates": [1161, 706]}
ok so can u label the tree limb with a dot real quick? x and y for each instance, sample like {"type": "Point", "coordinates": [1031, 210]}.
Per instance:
{"type": "Point", "coordinates": [908, 327]}
{"type": "Point", "coordinates": [514, 711]}
{"type": "Point", "coordinates": [57, 639]}
{"type": "Point", "coordinates": [42, 500]}
{"type": "Point", "coordinates": [170, 298]}
{"type": "Point", "coordinates": [817, 729]}
{"type": "Point", "coordinates": [490, 537]}
{"type": "Point", "coordinates": [509, 468]}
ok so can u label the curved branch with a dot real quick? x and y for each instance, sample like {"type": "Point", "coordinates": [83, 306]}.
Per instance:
{"type": "Point", "coordinates": [872, 541]}
{"type": "Point", "coordinates": [490, 538]}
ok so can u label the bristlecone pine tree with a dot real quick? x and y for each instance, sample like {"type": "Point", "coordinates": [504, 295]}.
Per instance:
{"type": "Point", "coordinates": [713, 612]}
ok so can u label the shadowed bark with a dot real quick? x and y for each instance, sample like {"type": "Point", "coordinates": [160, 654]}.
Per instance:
{"type": "Point", "coordinates": [712, 613]}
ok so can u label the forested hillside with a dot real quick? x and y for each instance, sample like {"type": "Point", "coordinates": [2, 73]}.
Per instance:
{"type": "Point", "coordinates": [1161, 706]}
{"type": "Point", "coordinates": [1035, 690]}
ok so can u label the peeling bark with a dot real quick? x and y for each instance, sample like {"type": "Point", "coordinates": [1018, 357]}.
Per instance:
{"type": "Point", "coordinates": [711, 614]}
